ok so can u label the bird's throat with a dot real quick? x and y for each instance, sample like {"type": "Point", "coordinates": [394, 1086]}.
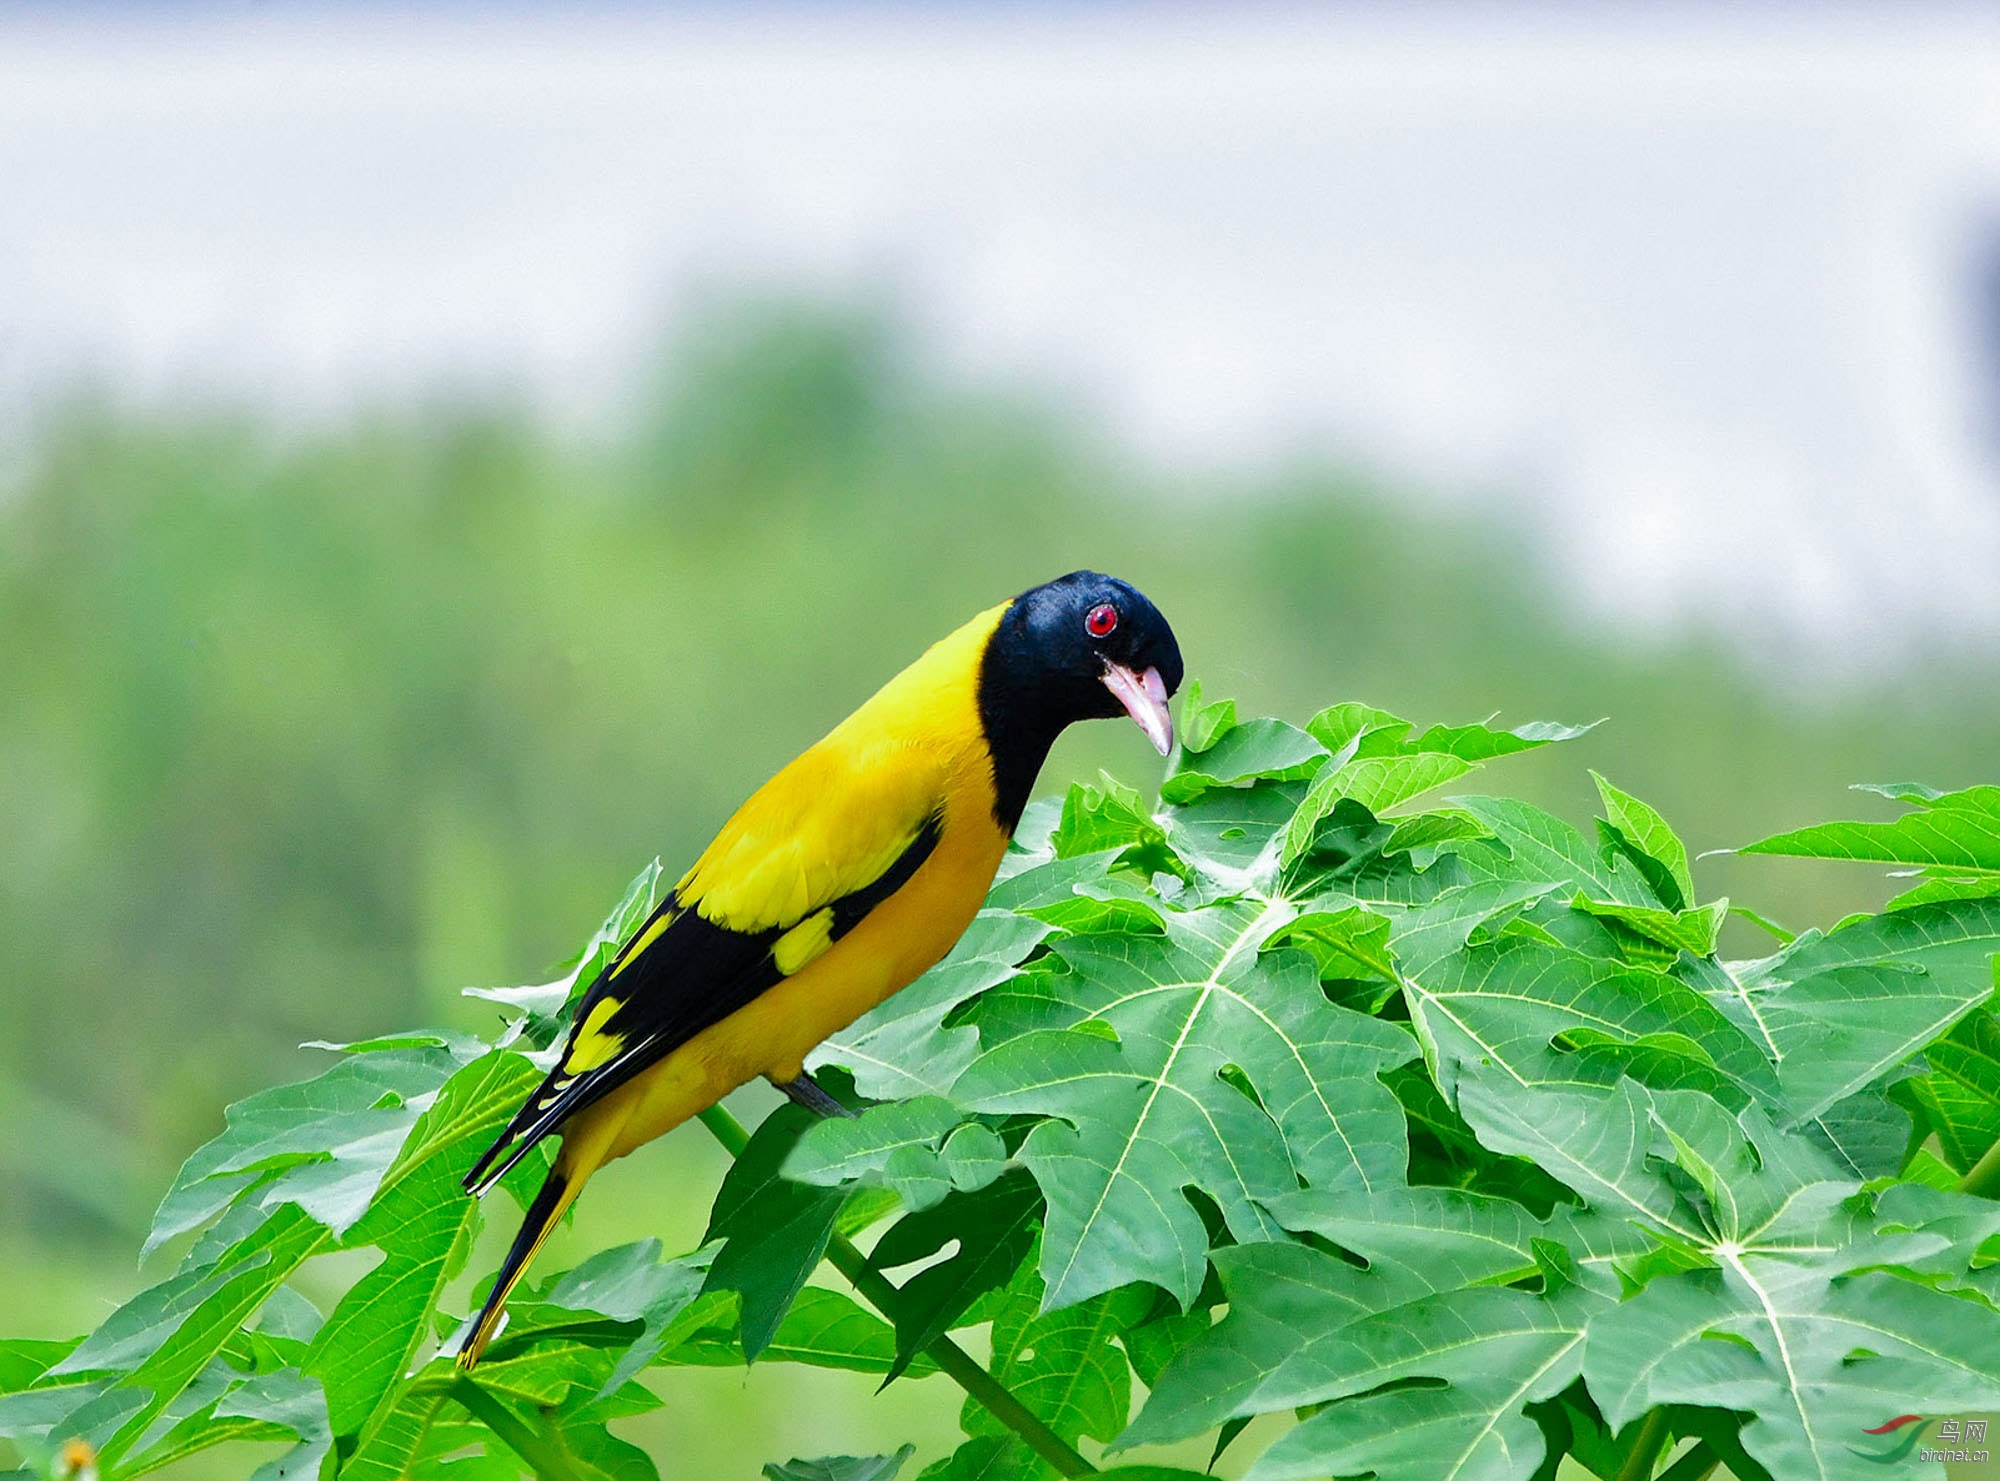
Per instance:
{"type": "Point", "coordinates": [1021, 719]}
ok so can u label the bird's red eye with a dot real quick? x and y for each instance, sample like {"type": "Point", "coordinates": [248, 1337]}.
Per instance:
{"type": "Point", "coordinates": [1101, 621]}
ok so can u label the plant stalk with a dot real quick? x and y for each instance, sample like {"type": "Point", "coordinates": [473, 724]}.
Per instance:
{"type": "Point", "coordinates": [954, 1361]}
{"type": "Point", "coordinates": [549, 1460]}
{"type": "Point", "coordinates": [1646, 1448]}
{"type": "Point", "coordinates": [726, 1129]}
{"type": "Point", "coordinates": [1984, 1179]}
{"type": "Point", "coordinates": [1697, 1465]}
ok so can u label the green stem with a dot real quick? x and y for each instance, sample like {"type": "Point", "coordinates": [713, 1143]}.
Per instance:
{"type": "Point", "coordinates": [549, 1460]}
{"type": "Point", "coordinates": [954, 1361]}
{"type": "Point", "coordinates": [1984, 1179]}
{"type": "Point", "coordinates": [726, 1129]}
{"type": "Point", "coordinates": [1697, 1465]}
{"type": "Point", "coordinates": [960, 1366]}
{"type": "Point", "coordinates": [1645, 1452]}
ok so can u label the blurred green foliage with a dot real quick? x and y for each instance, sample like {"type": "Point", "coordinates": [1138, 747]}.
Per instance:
{"type": "Point", "coordinates": [303, 730]}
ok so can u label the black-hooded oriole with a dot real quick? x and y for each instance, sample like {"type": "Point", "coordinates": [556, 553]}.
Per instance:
{"type": "Point", "coordinates": [842, 879]}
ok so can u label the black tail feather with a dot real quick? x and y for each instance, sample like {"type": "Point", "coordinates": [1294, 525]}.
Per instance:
{"type": "Point", "coordinates": [535, 1227]}
{"type": "Point", "coordinates": [479, 1180]}
{"type": "Point", "coordinates": [476, 1182]}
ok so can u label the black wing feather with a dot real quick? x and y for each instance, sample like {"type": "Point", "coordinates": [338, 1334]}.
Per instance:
{"type": "Point", "coordinates": [691, 976]}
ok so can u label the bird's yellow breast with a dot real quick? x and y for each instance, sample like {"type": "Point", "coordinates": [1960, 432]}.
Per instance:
{"type": "Point", "coordinates": [916, 750]}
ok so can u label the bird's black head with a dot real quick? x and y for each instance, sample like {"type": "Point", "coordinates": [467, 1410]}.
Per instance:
{"type": "Point", "coordinates": [1081, 647]}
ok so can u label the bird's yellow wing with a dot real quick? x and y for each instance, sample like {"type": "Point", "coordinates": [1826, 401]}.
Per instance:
{"type": "Point", "coordinates": [825, 827]}
{"type": "Point", "coordinates": [800, 864]}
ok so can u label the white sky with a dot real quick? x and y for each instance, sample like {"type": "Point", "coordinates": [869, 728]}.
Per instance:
{"type": "Point", "coordinates": [1693, 286]}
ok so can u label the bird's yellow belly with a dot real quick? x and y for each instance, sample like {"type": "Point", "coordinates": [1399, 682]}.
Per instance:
{"type": "Point", "coordinates": [895, 944]}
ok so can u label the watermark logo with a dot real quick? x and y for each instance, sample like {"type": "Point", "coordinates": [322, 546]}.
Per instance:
{"type": "Point", "coordinates": [1955, 1440]}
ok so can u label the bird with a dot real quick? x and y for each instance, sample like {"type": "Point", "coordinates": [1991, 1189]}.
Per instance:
{"type": "Point", "coordinates": [839, 882]}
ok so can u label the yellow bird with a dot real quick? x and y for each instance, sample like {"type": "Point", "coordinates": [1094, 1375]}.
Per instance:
{"type": "Point", "coordinates": [839, 882]}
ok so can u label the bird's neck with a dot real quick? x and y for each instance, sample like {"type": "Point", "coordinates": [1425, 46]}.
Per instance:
{"type": "Point", "coordinates": [1020, 719]}
{"type": "Point", "coordinates": [1018, 753]}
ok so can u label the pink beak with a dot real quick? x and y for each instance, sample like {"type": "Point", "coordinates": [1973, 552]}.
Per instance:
{"type": "Point", "coordinates": [1145, 699]}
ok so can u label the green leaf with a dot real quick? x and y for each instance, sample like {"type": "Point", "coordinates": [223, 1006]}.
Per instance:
{"type": "Point", "coordinates": [290, 1316]}
{"type": "Point", "coordinates": [1342, 943]}
{"type": "Point", "coordinates": [1351, 723]}
{"type": "Point", "coordinates": [1374, 782]}
{"type": "Point", "coordinates": [1101, 906]}
{"type": "Point", "coordinates": [1772, 1317]}
{"type": "Point", "coordinates": [38, 1420]}
{"type": "Point", "coordinates": [1546, 1016]}
{"type": "Point", "coordinates": [823, 1329]}
{"type": "Point", "coordinates": [1776, 1316]}
{"type": "Point", "coordinates": [1868, 1133]}
{"type": "Point", "coordinates": [1947, 887]}
{"type": "Point", "coordinates": [1376, 765]}
{"type": "Point", "coordinates": [448, 1448]}
{"type": "Point", "coordinates": [1958, 1101]}
{"type": "Point", "coordinates": [423, 1223]}
{"type": "Point", "coordinates": [1111, 816]}
{"type": "Point", "coordinates": [1837, 1012]}
{"type": "Point", "coordinates": [775, 1230]}
{"type": "Point", "coordinates": [292, 1406]}
{"type": "Point", "coordinates": [402, 1434]}
{"type": "Point", "coordinates": [1158, 1340]}
{"type": "Point", "coordinates": [1453, 1238]}
{"type": "Point", "coordinates": [329, 1141]}
{"type": "Point", "coordinates": [595, 1454]}
{"type": "Point", "coordinates": [1425, 935]}
{"type": "Point", "coordinates": [1064, 1365]}
{"type": "Point", "coordinates": [841, 1467]}
{"type": "Point", "coordinates": [25, 1359]}
{"type": "Point", "coordinates": [1958, 831]}
{"type": "Point", "coordinates": [1816, 1360]}
{"type": "Point", "coordinates": [1952, 839]}
{"type": "Point", "coordinates": [1527, 843]}
{"type": "Point", "coordinates": [537, 1353]}
{"type": "Point", "coordinates": [1151, 1111]}
{"type": "Point", "coordinates": [1283, 1298]}
{"type": "Point", "coordinates": [988, 1458]}
{"type": "Point", "coordinates": [994, 1228]}
{"type": "Point", "coordinates": [1480, 742]}
{"type": "Point", "coordinates": [165, 1337]}
{"type": "Point", "coordinates": [225, 1407]}
{"type": "Point", "coordinates": [1379, 783]}
{"type": "Point", "coordinates": [551, 1438]}
{"type": "Point", "coordinates": [1204, 721]}
{"type": "Point", "coordinates": [1425, 830]}
{"type": "Point", "coordinates": [1595, 1142]}
{"type": "Point", "coordinates": [1692, 931]}
{"type": "Point", "coordinates": [564, 1364]}
{"type": "Point", "coordinates": [1444, 1152]}
{"type": "Point", "coordinates": [1233, 830]}
{"type": "Point", "coordinates": [1646, 833]}
{"type": "Point", "coordinates": [630, 1283]}
{"type": "Point", "coordinates": [1499, 1352]}
{"type": "Point", "coordinates": [1253, 751]}
{"type": "Point", "coordinates": [838, 1151]}
{"type": "Point", "coordinates": [1379, 733]}
{"type": "Point", "coordinates": [423, 1226]}
{"type": "Point", "coordinates": [1306, 1328]}
{"type": "Point", "coordinates": [1763, 923]}
{"type": "Point", "coordinates": [974, 1156]}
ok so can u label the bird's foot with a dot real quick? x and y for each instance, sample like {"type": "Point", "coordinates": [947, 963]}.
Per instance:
{"type": "Point", "coordinates": [805, 1091]}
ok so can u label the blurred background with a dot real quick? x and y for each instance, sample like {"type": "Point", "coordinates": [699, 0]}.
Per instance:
{"type": "Point", "coordinates": [449, 455]}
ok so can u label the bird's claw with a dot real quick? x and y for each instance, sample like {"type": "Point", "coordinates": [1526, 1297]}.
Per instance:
{"type": "Point", "coordinates": [805, 1091]}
